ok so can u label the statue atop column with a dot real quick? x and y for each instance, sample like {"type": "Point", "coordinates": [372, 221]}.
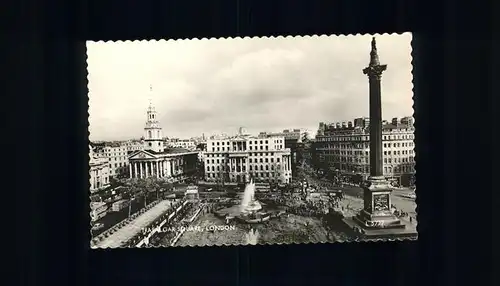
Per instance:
{"type": "Point", "coordinates": [374, 61]}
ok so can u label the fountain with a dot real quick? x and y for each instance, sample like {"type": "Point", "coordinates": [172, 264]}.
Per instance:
{"type": "Point", "coordinates": [252, 237]}
{"type": "Point", "coordinates": [248, 203]}
{"type": "Point", "coordinates": [249, 209]}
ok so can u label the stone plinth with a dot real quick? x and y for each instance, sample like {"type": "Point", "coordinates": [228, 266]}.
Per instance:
{"type": "Point", "coordinates": [376, 218]}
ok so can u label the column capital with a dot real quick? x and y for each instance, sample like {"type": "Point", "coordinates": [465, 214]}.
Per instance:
{"type": "Point", "coordinates": [375, 72]}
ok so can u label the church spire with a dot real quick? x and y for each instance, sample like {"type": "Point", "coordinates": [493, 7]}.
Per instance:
{"type": "Point", "coordinates": [153, 131]}
{"type": "Point", "coordinates": [150, 99]}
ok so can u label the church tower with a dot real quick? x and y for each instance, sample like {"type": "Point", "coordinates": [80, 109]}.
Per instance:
{"type": "Point", "coordinates": [152, 131]}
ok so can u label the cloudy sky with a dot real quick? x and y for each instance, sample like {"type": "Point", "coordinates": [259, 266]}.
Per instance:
{"type": "Point", "coordinates": [214, 86]}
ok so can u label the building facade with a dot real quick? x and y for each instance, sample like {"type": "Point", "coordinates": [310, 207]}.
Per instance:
{"type": "Point", "coordinates": [239, 158]}
{"type": "Point", "coordinates": [99, 171]}
{"type": "Point", "coordinates": [171, 164]}
{"type": "Point", "coordinates": [346, 150]}
{"type": "Point", "coordinates": [293, 141]}
{"type": "Point", "coordinates": [134, 145]}
{"type": "Point", "coordinates": [115, 152]}
{"type": "Point", "coordinates": [182, 143]}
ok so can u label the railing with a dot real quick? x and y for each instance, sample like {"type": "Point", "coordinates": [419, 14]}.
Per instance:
{"type": "Point", "coordinates": [143, 238]}
{"type": "Point", "coordinates": [121, 224]}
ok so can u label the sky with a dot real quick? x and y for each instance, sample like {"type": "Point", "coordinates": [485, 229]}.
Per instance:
{"type": "Point", "coordinates": [214, 86]}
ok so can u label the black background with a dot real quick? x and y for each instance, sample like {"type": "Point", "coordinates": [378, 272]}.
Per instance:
{"type": "Point", "coordinates": [453, 88]}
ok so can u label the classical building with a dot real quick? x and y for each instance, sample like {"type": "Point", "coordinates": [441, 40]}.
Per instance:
{"type": "Point", "coordinates": [293, 141]}
{"type": "Point", "coordinates": [237, 159]}
{"type": "Point", "coordinates": [99, 171]}
{"type": "Point", "coordinates": [346, 150]}
{"type": "Point", "coordinates": [115, 152]}
{"type": "Point", "coordinates": [172, 164]}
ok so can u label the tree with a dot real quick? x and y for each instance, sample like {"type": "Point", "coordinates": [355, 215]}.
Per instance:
{"type": "Point", "coordinates": [200, 169]}
{"type": "Point", "coordinates": [151, 185]}
{"type": "Point", "coordinates": [305, 137]}
{"type": "Point", "coordinates": [131, 185]}
{"type": "Point", "coordinates": [122, 173]}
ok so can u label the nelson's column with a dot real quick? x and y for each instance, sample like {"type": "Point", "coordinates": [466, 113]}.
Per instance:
{"type": "Point", "coordinates": [376, 219]}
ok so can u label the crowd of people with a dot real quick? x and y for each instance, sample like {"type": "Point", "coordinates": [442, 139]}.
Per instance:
{"type": "Point", "coordinates": [401, 214]}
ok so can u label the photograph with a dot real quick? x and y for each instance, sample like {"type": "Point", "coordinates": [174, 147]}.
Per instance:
{"type": "Point", "coordinates": [251, 141]}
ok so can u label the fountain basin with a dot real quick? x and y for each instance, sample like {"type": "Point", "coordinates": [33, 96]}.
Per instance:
{"type": "Point", "coordinates": [249, 210]}
{"type": "Point", "coordinates": [253, 219]}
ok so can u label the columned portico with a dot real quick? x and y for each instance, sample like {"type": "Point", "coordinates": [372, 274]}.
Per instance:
{"type": "Point", "coordinates": [164, 165]}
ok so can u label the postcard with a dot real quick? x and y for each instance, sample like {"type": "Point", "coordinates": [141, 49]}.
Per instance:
{"type": "Point", "coordinates": [246, 141]}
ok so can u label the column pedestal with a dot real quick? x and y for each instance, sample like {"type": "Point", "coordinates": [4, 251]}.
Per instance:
{"type": "Point", "coordinates": [376, 219]}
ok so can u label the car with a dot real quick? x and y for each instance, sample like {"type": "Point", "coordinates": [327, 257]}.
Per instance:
{"type": "Point", "coordinates": [410, 196]}
{"type": "Point", "coordinates": [97, 226]}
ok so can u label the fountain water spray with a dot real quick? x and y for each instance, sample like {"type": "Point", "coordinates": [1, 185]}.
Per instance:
{"type": "Point", "coordinates": [248, 195]}
{"type": "Point", "coordinates": [252, 237]}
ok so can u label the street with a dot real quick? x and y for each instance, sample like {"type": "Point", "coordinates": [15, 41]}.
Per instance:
{"type": "Point", "coordinates": [113, 218]}
{"type": "Point", "coordinates": [128, 231]}
{"type": "Point", "coordinates": [353, 201]}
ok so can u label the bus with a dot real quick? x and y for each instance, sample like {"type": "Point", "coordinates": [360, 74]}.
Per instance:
{"type": "Point", "coordinates": [119, 205]}
{"type": "Point", "coordinates": [262, 187]}
{"type": "Point", "coordinates": [192, 193]}
{"type": "Point", "coordinates": [98, 210]}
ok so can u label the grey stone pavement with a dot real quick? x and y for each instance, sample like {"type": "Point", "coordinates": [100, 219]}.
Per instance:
{"type": "Point", "coordinates": [128, 231]}
{"type": "Point", "coordinates": [353, 205]}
